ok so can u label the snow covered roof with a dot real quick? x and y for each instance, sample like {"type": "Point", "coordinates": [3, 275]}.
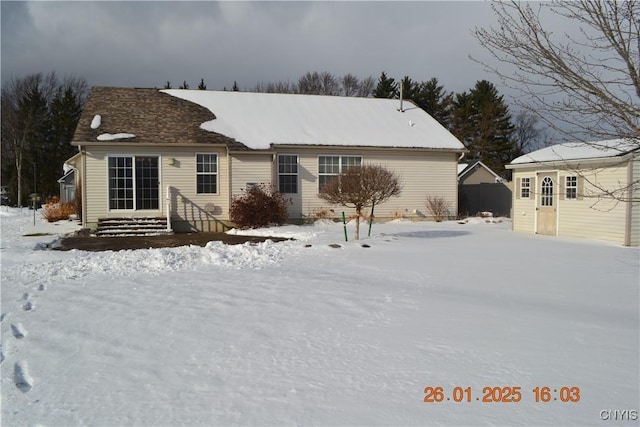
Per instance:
{"type": "Point", "coordinates": [461, 167]}
{"type": "Point", "coordinates": [260, 120]}
{"type": "Point", "coordinates": [580, 150]}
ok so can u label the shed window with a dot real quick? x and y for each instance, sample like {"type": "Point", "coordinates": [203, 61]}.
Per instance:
{"type": "Point", "coordinates": [206, 173]}
{"type": "Point", "coordinates": [525, 188]}
{"type": "Point", "coordinates": [571, 187]}
{"type": "Point", "coordinates": [546, 192]}
{"type": "Point", "coordinates": [288, 173]}
{"type": "Point", "coordinates": [331, 166]}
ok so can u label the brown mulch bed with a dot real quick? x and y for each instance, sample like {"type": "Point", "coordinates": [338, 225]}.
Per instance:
{"type": "Point", "coordinates": [145, 242]}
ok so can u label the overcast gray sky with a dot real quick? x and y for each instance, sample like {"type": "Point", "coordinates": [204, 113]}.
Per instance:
{"type": "Point", "coordinates": [144, 44]}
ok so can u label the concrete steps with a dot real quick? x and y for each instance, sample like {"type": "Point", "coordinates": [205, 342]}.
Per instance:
{"type": "Point", "coordinates": [121, 227]}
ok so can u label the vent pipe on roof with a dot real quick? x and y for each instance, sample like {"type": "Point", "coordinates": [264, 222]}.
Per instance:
{"type": "Point", "coordinates": [401, 90]}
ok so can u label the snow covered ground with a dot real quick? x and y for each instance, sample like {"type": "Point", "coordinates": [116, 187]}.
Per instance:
{"type": "Point", "coordinates": [291, 334]}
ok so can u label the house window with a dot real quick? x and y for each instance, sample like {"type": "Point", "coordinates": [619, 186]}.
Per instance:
{"type": "Point", "coordinates": [206, 173]}
{"type": "Point", "coordinates": [571, 187]}
{"type": "Point", "coordinates": [133, 183]}
{"type": "Point", "coordinates": [331, 166]}
{"type": "Point", "coordinates": [525, 188]}
{"type": "Point", "coordinates": [288, 173]}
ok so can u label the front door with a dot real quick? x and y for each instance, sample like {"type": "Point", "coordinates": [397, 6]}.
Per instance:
{"type": "Point", "coordinates": [546, 208]}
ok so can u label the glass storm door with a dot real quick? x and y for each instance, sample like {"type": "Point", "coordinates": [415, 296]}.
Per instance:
{"type": "Point", "coordinates": [546, 205]}
{"type": "Point", "coordinates": [147, 190]}
{"type": "Point", "coordinates": [134, 183]}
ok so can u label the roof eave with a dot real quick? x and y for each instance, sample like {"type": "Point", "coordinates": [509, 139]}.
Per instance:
{"type": "Point", "coordinates": [611, 160]}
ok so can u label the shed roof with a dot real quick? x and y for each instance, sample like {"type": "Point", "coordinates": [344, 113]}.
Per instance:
{"type": "Point", "coordinates": [571, 151]}
{"type": "Point", "coordinates": [260, 120]}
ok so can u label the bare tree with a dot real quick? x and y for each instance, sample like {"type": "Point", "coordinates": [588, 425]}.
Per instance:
{"type": "Point", "coordinates": [350, 85]}
{"type": "Point", "coordinates": [278, 87]}
{"type": "Point", "coordinates": [361, 186]}
{"type": "Point", "coordinates": [527, 135]}
{"type": "Point", "coordinates": [315, 83]}
{"type": "Point", "coordinates": [588, 79]}
{"type": "Point", "coordinates": [366, 87]}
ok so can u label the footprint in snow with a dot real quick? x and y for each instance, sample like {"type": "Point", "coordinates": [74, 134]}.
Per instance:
{"type": "Point", "coordinates": [18, 331]}
{"type": "Point", "coordinates": [21, 377]}
{"type": "Point", "coordinates": [3, 316]}
{"type": "Point", "coordinates": [29, 306]}
{"type": "Point", "coordinates": [42, 287]}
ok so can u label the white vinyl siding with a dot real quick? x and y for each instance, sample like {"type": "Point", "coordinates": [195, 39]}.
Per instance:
{"type": "Point", "coordinates": [634, 211]}
{"type": "Point", "coordinates": [177, 166]}
{"type": "Point", "coordinates": [589, 214]}
{"type": "Point", "coordinates": [250, 169]}
{"type": "Point", "coordinates": [421, 173]}
{"type": "Point", "coordinates": [524, 209]}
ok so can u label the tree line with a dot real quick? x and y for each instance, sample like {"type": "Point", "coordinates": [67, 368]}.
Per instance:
{"type": "Point", "coordinates": [39, 116]}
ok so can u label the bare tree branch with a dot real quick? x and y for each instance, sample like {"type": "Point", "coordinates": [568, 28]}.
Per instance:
{"type": "Point", "coordinates": [588, 80]}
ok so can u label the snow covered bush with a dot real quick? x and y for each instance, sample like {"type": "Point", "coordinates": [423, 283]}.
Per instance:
{"type": "Point", "coordinates": [259, 206]}
{"type": "Point", "coordinates": [438, 207]}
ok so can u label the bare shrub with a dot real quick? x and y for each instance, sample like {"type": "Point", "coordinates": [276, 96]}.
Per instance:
{"type": "Point", "coordinates": [322, 213]}
{"type": "Point", "coordinates": [259, 206]}
{"type": "Point", "coordinates": [438, 207]}
{"type": "Point", "coordinates": [54, 210]}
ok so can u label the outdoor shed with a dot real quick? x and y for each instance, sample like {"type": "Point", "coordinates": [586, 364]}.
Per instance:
{"type": "Point", "coordinates": [580, 190]}
{"type": "Point", "coordinates": [480, 189]}
{"type": "Point", "coordinates": [183, 155]}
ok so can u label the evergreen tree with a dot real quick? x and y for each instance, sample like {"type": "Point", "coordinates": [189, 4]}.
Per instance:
{"type": "Point", "coordinates": [184, 85]}
{"type": "Point", "coordinates": [235, 87]}
{"type": "Point", "coordinates": [432, 98]}
{"type": "Point", "coordinates": [410, 89]}
{"type": "Point", "coordinates": [201, 85]}
{"type": "Point", "coordinates": [482, 121]}
{"type": "Point", "coordinates": [461, 124]}
{"type": "Point", "coordinates": [386, 88]}
{"type": "Point", "coordinates": [39, 116]}
{"type": "Point", "coordinates": [167, 85]}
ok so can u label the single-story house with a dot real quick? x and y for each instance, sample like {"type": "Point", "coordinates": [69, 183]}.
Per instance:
{"type": "Point", "coordinates": [184, 154]}
{"type": "Point", "coordinates": [580, 190]}
{"type": "Point", "coordinates": [480, 189]}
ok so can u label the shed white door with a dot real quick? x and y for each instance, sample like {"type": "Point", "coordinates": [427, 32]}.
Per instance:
{"type": "Point", "coordinates": [547, 199]}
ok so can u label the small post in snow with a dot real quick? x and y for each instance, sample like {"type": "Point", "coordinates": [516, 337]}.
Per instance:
{"type": "Point", "coordinates": [373, 205]}
{"type": "Point", "coordinates": [344, 225]}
